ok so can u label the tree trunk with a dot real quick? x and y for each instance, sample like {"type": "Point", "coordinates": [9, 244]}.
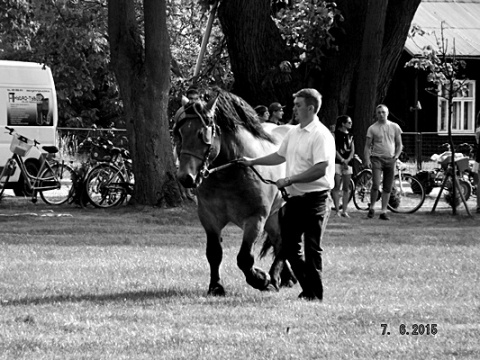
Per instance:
{"type": "Point", "coordinates": [369, 70]}
{"type": "Point", "coordinates": [144, 81]}
{"type": "Point", "coordinates": [348, 83]}
{"type": "Point", "coordinates": [256, 49]}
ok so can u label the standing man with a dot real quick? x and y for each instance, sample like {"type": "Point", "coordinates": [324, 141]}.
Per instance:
{"type": "Point", "coordinates": [276, 113]}
{"type": "Point", "coordinates": [309, 152]}
{"type": "Point", "coordinates": [383, 147]}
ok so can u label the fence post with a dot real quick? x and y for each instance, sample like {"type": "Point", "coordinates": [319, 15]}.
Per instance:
{"type": "Point", "coordinates": [418, 150]}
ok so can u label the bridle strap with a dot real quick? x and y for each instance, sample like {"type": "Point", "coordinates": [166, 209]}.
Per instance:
{"type": "Point", "coordinates": [186, 152]}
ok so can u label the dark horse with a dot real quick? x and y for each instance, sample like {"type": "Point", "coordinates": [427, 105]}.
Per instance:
{"type": "Point", "coordinates": [209, 139]}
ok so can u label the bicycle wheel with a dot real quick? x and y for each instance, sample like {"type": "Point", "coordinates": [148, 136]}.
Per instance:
{"type": "Point", "coordinates": [465, 188]}
{"type": "Point", "coordinates": [407, 194]}
{"type": "Point", "coordinates": [5, 175]}
{"type": "Point", "coordinates": [65, 175]}
{"type": "Point", "coordinates": [351, 184]}
{"type": "Point", "coordinates": [104, 185]}
{"type": "Point", "coordinates": [363, 187]}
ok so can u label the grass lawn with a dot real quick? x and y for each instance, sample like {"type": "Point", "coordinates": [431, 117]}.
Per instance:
{"type": "Point", "coordinates": [131, 284]}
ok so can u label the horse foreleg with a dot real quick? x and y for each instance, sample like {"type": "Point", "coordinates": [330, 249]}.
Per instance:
{"type": "Point", "coordinates": [214, 257]}
{"type": "Point", "coordinates": [255, 277]}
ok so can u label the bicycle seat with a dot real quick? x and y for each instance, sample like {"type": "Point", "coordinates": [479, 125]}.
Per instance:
{"type": "Point", "coordinates": [50, 149]}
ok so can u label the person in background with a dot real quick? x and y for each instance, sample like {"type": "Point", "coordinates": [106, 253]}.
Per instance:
{"type": "Point", "coordinates": [383, 147]}
{"type": "Point", "coordinates": [192, 95]}
{"type": "Point", "coordinates": [343, 171]}
{"type": "Point", "coordinates": [276, 113]}
{"type": "Point", "coordinates": [308, 150]}
{"type": "Point", "coordinates": [262, 113]}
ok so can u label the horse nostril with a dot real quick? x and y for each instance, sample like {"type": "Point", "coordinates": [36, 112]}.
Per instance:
{"type": "Point", "coordinates": [187, 181]}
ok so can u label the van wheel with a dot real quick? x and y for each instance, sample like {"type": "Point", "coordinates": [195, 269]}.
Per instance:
{"type": "Point", "coordinates": [21, 188]}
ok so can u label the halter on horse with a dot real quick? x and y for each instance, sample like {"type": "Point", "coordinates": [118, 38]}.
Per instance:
{"type": "Point", "coordinates": [211, 138]}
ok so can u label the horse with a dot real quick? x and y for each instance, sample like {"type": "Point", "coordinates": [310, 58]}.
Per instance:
{"type": "Point", "coordinates": [210, 139]}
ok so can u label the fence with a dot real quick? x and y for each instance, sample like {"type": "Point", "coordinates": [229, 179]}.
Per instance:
{"type": "Point", "coordinates": [421, 146]}
{"type": "Point", "coordinates": [69, 139]}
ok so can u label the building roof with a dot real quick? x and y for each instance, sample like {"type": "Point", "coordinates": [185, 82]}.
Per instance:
{"type": "Point", "coordinates": [461, 26]}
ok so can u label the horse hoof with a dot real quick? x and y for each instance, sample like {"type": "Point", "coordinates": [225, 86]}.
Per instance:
{"type": "Point", "coordinates": [216, 291]}
{"type": "Point", "coordinates": [288, 283]}
{"type": "Point", "coordinates": [271, 288]}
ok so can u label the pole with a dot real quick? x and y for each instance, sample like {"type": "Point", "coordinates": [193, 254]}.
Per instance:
{"type": "Point", "coordinates": [205, 39]}
{"type": "Point", "coordinates": [418, 150]}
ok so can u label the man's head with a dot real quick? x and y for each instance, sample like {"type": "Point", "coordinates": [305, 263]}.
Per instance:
{"type": "Point", "coordinates": [307, 103]}
{"type": "Point", "coordinates": [193, 94]}
{"type": "Point", "coordinates": [276, 110]}
{"type": "Point", "coordinates": [381, 112]}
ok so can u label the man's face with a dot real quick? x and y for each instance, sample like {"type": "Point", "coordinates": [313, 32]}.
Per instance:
{"type": "Point", "coordinates": [300, 109]}
{"type": "Point", "coordinates": [278, 114]}
{"type": "Point", "coordinates": [381, 113]}
{"type": "Point", "coordinates": [192, 97]}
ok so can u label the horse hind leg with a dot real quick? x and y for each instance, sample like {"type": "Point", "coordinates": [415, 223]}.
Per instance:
{"type": "Point", "coordinates": [255, 277]}
{"type": "Point", "coordinates": [281, 273]}
{"type": "Point", "coordinates": [214, 257]}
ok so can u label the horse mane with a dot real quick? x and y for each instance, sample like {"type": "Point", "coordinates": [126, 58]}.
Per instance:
{"type": "Point", "coordinates": [232, 111]}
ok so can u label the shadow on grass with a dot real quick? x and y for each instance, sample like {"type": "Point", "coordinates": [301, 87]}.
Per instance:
{"type": "Point", "coordinates": [104, 298]}
{"type": "Point", "coordinates": [169, 295]}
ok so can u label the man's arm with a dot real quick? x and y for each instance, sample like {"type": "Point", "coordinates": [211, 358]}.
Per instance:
{"type": "Point", "coordinates": [398, 145]}
{"type": "Point", "coordinates": [268, 160]}
{"type": "Point", "coordinates": [315, 172]}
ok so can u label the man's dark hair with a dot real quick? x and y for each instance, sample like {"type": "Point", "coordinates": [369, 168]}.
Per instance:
{"type": "Point", "coordinates": [311, 96]}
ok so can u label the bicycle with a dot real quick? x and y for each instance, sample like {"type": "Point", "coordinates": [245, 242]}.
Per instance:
{"type": "Point", "coordinates": [109, 184]}
{"type": "Point", "coordinates": [403, 198]}
{"type": "Point", "coordinates": [466, 179]}
{"type": "Point", "coordinates": [54, 180]}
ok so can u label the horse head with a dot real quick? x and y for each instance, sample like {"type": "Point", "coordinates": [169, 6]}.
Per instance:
{"type": "Point", "coordinates": [197, 141]}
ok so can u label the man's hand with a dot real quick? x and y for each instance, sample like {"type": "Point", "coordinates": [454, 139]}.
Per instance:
{"type": "Point", "coordinates": [281, 183]}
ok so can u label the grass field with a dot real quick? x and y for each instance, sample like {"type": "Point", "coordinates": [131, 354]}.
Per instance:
{"type": "Point", "coordinates": [131, 284]}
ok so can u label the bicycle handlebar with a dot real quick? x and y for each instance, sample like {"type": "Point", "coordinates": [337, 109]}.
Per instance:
{"type": "Point", "coordinates": [23, 138]}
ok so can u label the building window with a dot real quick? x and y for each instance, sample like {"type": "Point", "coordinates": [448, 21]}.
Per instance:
{"type": "Point", "coordinates": [463, 111]}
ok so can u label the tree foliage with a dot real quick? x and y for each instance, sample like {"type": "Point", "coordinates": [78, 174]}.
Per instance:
{"type": "Point", "coordinates": [70, 37]}
{"type": "Point", "coordinates": [306, 26]}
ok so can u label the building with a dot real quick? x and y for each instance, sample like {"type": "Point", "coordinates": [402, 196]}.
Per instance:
{"type": "Point", "coordinates": [422, 115]}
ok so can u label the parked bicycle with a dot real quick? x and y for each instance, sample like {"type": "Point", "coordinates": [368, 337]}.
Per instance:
{"type": "Point", "coordinates": [403, 198]}
{"type": "Point", "coordinates": [109, 184]}
{"type": "Point", "coordinates": [431, 179]}
{"type": "Point", "coordinates": [54, 180]}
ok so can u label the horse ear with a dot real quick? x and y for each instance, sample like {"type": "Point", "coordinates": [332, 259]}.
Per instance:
{"type": "Point", "coordinates": [211, 105]}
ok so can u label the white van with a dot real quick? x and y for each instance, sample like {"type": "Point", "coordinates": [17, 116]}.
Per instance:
{"type": "Point", "coordinates": [28, 103]}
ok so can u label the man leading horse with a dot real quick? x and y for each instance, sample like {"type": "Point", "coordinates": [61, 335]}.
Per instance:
{"type": "Point", "coordinates": [309, 153]}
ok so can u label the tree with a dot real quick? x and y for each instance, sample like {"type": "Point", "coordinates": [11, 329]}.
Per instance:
{"type": "Point", "coordinates": [355, 70]}
{"type": "Point", "coordinates": [446, 72]}
{"type": "Point", "coordinates": [142, 70]}
{"type": "Point", "coordinates": [70, 37]}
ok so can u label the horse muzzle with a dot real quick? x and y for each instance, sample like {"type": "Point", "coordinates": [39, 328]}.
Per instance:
{"type": "Point", "coordinates": [187, 180]}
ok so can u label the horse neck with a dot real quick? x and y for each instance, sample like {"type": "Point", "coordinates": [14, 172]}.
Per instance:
{"type": "Point", "coordinates": [230, 149]}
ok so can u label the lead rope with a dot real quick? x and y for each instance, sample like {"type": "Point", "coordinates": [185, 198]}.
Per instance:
{"type": "Point", "coordinates": [268, 181]}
